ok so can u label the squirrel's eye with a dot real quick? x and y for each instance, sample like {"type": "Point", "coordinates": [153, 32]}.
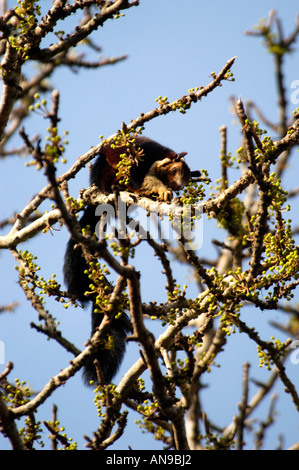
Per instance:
{"type": "Point", "coordinates": [174, 171]}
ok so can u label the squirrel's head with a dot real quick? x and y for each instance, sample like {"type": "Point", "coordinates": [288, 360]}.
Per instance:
{"type": "Point", "coordinates": [173, 171]}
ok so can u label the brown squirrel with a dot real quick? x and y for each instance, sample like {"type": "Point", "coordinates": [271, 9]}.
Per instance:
{"type": "Point", "coordinates": [155, 170]}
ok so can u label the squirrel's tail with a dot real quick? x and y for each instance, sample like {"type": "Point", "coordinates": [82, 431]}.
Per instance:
{"type": "Point", "coordinates": [77, 285]}
{"type": "Point", "coordinates": [109, 358]}
{"type": "Point", "coordinates": [74, 262]}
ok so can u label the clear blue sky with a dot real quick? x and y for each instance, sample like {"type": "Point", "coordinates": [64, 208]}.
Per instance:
{"type": "Point", "coordinates": [172, 46]}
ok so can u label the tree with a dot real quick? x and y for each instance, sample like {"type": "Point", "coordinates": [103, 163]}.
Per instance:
{"type": "Point", "coordinates": [257, 266]}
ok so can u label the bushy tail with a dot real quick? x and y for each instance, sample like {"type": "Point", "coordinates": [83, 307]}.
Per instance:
{"type": "Point", "coordinates": [109, 359]}
{"type": "Point", "coordinates": [74, 262]}
{"type": "Point", "coordinates": [77, 284]}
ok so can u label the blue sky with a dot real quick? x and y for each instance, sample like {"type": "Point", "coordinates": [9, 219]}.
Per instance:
{"type": "Point", "coordinates": [172, 46]}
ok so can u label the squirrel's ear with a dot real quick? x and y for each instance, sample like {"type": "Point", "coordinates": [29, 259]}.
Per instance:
{"type": "Point", "coordinates": [182, 154]}
{"type": "Point", "coordinates": [171, 155]}
{"type": "Point", "coordinates": [176, 157]}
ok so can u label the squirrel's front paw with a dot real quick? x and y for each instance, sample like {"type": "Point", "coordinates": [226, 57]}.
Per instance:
{"type": "Point", "coordinates": [165, 194]}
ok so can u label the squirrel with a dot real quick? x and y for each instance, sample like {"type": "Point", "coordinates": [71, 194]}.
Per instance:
{"type": "Point", "coordinates": [156, 170]}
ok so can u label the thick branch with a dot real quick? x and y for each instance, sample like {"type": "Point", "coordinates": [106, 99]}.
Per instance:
{"type": "Point", "coordinates": [8, 426]}
{"type": "Point", "coordinates": [11, 72]}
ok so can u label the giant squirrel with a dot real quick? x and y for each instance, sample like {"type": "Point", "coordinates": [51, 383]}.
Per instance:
{"type": "Point", "coordinates": [155, 170]}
